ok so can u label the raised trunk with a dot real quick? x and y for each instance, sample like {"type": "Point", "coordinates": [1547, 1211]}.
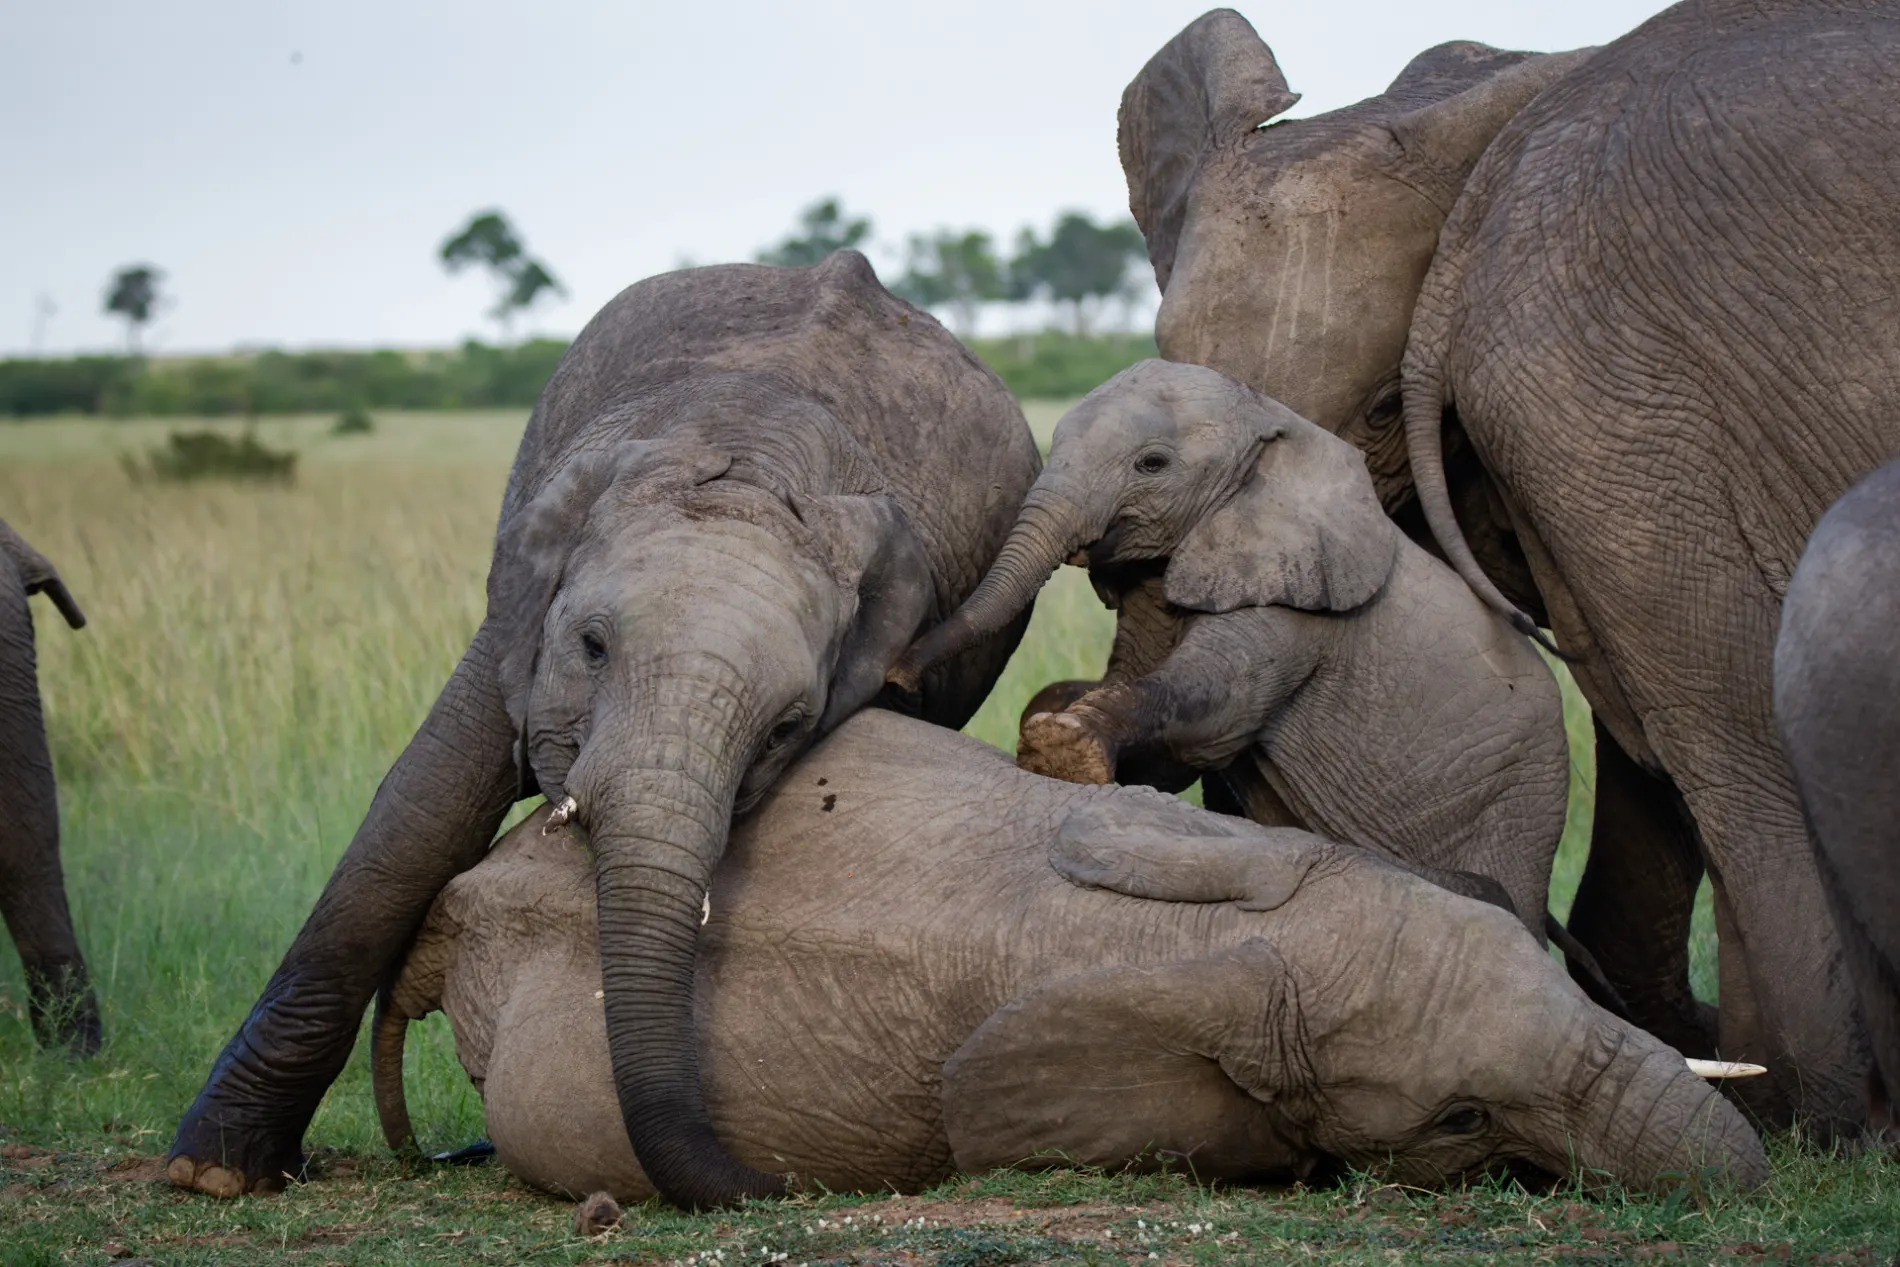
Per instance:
{"type": "Point", "coordinates": [1654, 1125]}
{"type": "Point", "coordinates": [1050, 527]}
{"type": "Point", "coordinates": [657, 830]}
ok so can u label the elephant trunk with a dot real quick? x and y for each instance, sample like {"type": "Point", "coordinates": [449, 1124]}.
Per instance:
{"type": "Point", "coordinates": [1051, 526]}
{"type": "Point", "coordinates": [1655, 1124]}
{"type": "Point", "coordinates": [657, 831]}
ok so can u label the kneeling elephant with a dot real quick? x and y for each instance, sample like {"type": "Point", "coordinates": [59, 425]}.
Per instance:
{"type": "Point", "coordinates": [919, 958]}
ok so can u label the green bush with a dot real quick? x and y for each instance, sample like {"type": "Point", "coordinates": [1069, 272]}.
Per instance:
{"type": "Point", "coordinates": [195, 455]}
{"type": "Point", "coordinates": [79, 385]}
{"type": "Point", "coordinates": [1049, 365]}
{"type": "Point", "coordinates": [354, 421]}
{"type": "Point", "coordinates": [1060, 366]}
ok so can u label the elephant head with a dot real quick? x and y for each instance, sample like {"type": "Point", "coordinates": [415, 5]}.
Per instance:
{"type": "Point", "coordinates": [1290, 254]}
{"type": "Point", "coordinates": [1250, 504]}
{"type": "Point", "coordinates": [683, 630]}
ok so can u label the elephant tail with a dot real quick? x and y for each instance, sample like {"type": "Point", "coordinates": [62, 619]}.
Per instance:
{"type": "Point", "coordinates": [388, 1033]}
{"type": "Point", "coordinates": [1585, 970]}
{"type": "Point", "coordinates": [1424, 388]}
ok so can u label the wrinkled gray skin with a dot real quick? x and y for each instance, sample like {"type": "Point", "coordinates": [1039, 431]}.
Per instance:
{"type": "Point", "coordinates": [32, 889]}
{"type": "Point", "coordinates": [744, 491]}
{"type": "Point", "coordinates": [1644, 301]}
{"type": "Point", "coordinates": [896, 982]}
{"type": "Point", "coordinates": [1291, 627]}
{"type": "Point", "coordinates": [1837, 704]}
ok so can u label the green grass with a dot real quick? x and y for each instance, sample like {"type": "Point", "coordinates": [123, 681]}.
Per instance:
{"type": "Point", "coordinates": [256, 658]}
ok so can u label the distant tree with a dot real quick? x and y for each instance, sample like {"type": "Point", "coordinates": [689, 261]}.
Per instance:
{"type": "Point", "coordinates": [1081, 264]}
{"type": "Point", "coordinates": [822, 228]}
{"type": "Point", "coordinates": [489, 241]}
{"type": "Point", "coordinates": [134, 295]}
{"type": "Point", "coordinates": [958, 271]}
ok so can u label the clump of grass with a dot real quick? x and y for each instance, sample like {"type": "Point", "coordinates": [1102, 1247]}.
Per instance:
{"type": "Point", "coordinates": [354, 421]}
{"type": "Point", "coordinates": [198, 455]}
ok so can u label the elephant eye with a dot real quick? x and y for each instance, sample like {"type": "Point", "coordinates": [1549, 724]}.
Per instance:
{"type": "Point", "coordinates": [1151, 463]}
{"type": "Point", "coordinates": [593, 648]}
{"type": "Point", "coordinates": [786, 730]}
{"type": "Point", "coordinates": [1463, 1120]}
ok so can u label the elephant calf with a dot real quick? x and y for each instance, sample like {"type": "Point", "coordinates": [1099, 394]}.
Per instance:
{"type": "Point", "coordinates": [920, 959]}
{"type": "Point", "coordinates": [1272, 616]}
{"type": "Point", "coordinates": [32, 890]}
{"type": "Point", "coordinates": [1837, 703]}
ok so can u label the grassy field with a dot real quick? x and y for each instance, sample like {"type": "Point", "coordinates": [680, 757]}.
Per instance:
{"type": "Point", "coordinates": [255, 660]}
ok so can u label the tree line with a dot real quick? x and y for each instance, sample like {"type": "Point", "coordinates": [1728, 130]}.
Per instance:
{"type": "Point", "coordinates": [1079, 265]}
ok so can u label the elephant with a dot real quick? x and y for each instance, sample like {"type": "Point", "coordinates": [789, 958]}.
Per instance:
{"type": "Point", "coordinates": [1300, 634]}
{"type": "Point", "coordinates": [744, 491]}
{"type": "Point", "coordinates": [1613, 328]}
{"type": "Point", "coordinates": [60, 998]}
{"type": "Point", "coordinates": [920, 958]}
{"type": "Point", "coordinates": [1837, 707]}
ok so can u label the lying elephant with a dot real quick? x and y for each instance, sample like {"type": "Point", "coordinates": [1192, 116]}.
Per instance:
{"type": "Point", "coordinates": [1837, 704]}
{"type": "Point", "coordinates": [1382, 703]}
{"type": "Point", "coordinates": [32, 889]}
{"type": "Point", "coordinates": [1614, 327]}
{"type": "Point", "coordinates": [920, 958]}
{"type": "Point", "coordinates": [742, 494]}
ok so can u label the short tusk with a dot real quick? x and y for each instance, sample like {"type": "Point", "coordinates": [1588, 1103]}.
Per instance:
{"type": "Point", "coordinates": [1723, 1068]}
{"type": "Point", "coordinates": [563, 811]}
{"type": "Point", "coordinates": [705, 909]}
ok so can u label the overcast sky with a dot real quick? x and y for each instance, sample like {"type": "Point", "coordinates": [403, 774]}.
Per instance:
{"type": "Point", "coordinates": [292, 169]}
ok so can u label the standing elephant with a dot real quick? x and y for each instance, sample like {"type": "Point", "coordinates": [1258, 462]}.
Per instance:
{"type": "Point", "coordinates": [1613, 327]}
{"type": "Point", "coordinates": [920, 959]}
{"type": "Point", "coordinates": [1837, 703]}
{"type": "Point", "coordinates": [1365, 685]}
{"type": "Point", "coordinates": [743, 493]}
{"type": "Point", "coordinates": [32, 890]}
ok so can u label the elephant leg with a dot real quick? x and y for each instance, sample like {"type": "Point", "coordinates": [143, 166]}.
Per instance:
{"type": "Point", "coordinates": [432, 818]}
{"type": "Point", "coordinates": [1634, 905]}
{"type": "Point", "coordinates": [32, 888]}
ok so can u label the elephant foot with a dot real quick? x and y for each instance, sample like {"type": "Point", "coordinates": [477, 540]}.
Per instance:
{"type": "Point", "coordinates": [64, 1011]}
{"type": "Point", "coordinates": [219, 1158]}
{"type": "Point", "coordinates": [1062, 746]}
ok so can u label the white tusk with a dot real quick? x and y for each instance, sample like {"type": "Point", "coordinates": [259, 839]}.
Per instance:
{"type": "Point", "coordinates": [705, 909]}
{"type": "Point", "coordinates": [563, 811]}
{"type": "Point", "coordinates": [1723, 1068]}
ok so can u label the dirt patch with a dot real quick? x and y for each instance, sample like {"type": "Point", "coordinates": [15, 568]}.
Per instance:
{"type": "Point", "coordinates": [135, 1170]}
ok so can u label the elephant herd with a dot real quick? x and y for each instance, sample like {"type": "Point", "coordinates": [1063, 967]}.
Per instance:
{"type": "Point", "coordinates": [1572, 349]}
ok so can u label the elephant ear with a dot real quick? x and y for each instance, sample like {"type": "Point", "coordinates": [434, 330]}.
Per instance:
{"type": "Point", "coordinates": [1305, 530]}
{"type": "Point", "coordinates": [39, 576]}
{"type": "Point", "coordinates": [533, 546]}
{"type": "Point", "coordinates": [878, 559]}
{"type": "Point", "coordinates": [1149, 1065]}
{"type": "Point", "coordinates": [1208, 86]}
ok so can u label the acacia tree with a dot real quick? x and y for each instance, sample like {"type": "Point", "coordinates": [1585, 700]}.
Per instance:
{"type": "Point", "coordinates": [958, 271]}
{"type": "Point", "coordinates": [1081, 264]}
{"type": "Point", "coordinates": [822, 228]}
{"type": "Point", "coordinates": [134, 295]}
{"type": "Point", "coordinates": [489, 241]}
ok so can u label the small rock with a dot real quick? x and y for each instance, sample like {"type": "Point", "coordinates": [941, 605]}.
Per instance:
{"type": "Point", "coordinates": [599, 1213]}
